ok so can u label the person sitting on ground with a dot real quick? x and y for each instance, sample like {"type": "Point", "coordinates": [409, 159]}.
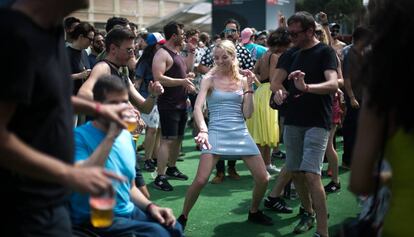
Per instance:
{"type": "Point", "coordinates": [104, 144]}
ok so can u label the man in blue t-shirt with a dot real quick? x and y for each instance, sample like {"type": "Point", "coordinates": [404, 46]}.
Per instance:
{"type": "Point", "coordinates": [100, 143]}
{"type": "Point", "coordinates": [311, 69]}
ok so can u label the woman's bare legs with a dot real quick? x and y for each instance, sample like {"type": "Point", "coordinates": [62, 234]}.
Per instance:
{"type": "Point", "coordinates": [332, 155]}
{"type": "Point", "coordinates": [261, 179]}
{"type": "Point", "coordinates": [205, 167]}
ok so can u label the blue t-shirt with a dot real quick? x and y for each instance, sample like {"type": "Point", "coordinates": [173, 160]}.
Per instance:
{"type": "Point", "coordinates": [121, 161]}
{"type": "Point", "coordinates": [144, 73]}
{"type": "Point", "coordinates": [256, 50]}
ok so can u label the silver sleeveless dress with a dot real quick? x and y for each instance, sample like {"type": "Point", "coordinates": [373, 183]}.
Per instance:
{"type": "Point", "coordinates": [228, 134]}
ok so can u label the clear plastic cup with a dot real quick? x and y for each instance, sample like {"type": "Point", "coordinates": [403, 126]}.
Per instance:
{"type": "Point", "coordinates": [102, 209]}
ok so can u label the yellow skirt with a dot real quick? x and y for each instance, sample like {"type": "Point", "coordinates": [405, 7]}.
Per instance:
{"type": "Point", "coordinates": [263, 125]}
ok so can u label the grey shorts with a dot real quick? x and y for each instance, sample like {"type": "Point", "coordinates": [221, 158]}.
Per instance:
{"type": "Point", "coordinates": [305, 148]}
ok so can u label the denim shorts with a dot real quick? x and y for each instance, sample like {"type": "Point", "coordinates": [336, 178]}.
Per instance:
{"type": "Point", "coordinates": [305, 148]}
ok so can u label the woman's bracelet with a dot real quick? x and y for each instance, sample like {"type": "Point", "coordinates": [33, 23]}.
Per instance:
{"type": "Point", "coordinates": [247, 92]}
{"type": "Point", "coordinates": [203, 131]}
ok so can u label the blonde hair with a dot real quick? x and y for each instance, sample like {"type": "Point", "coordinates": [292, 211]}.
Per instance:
{"type": "Point", "coordinates": [230, 49]}
{"type": "Point", "coordinates": [324, 36]}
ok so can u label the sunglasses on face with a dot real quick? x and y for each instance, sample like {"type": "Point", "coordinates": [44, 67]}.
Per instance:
{"type": "Point", "coordinates": [295, 34]}
{"type": "Point", "coordinates": [318, 32]}
{"type": "Point", "coordinates": [229, 31]}
{"type": "Point", "coordinates": [128, 50]}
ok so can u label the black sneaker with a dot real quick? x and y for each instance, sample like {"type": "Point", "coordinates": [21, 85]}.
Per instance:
{"type": "Point", "coordinates": [307, 221]}
{"type": "Point", "coordinates": [149, 166]}
{"type": "Point", "coordinates": [332, 187]}
{"type": "Point", "coordinates": [277, 204]}
{"type": "Point", "coordinates": [182, 220]}
{"type": "Point", "coordinates": [301, 210]}
{"type": "Point", "coordinates": [154, 162]}
{"type": "Point", "coordinates": [260, 218]}
{"type": "Point", "coordinates": [279, 155]}
{"type": "Point", "coordinates": [161, 183]}
{"type": "Point", "coordinates": [174, 173]}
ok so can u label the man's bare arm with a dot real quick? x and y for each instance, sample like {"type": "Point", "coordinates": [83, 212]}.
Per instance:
{"type": "Point", "coordinates": [159, 67]}
{"type": "Point", "coordinates": [99, 70]}
{"type": "Point", "coordinates": [19, 157]}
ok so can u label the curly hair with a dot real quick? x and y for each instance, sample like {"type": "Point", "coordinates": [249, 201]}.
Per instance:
{"type": "Point", "coordinates": [388, 70]}
{"type": "Point", "coordinates": [278, 38]}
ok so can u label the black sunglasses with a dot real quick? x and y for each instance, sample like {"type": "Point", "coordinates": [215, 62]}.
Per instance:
{"type": "Point", "coordinates": [295, 34]}
{"type": "Point", "coordinates": [229, 31]}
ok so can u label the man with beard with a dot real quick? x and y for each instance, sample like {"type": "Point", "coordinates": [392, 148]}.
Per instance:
{"type": "Point", "coordinates": [170, 69]}
{"type": "Point", "coordinates": [97, 47]}
{"type": "Point", "coordinates": [119, 46]}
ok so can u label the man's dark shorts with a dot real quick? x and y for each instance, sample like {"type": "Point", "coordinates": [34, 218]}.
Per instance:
{"type": "Point", "coordinates": [173, 123]}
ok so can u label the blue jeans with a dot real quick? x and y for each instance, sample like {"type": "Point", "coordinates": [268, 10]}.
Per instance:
{"type": "Point", "coordinates": [140, 224]}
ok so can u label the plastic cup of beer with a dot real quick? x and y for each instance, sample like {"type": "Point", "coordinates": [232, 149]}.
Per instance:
{"type": "Point", "coordinates": [131, 119]}
{"type": "Point", "coordinates": [102, 209]}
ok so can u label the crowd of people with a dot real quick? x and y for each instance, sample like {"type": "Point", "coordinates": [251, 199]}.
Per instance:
{"type": "Point", "coordinates": [69, 87]}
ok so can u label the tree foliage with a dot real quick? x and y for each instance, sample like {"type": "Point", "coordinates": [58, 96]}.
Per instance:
{"type": "Point", "coordinates": [336, 9]}
{"type": "Point", "coordinates": [345, 11]}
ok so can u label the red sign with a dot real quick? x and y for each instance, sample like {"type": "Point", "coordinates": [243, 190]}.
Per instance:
{"type": "Point", "coordinates": [272, 2]}
{"type": "Point", "coordinates": [221, 2]}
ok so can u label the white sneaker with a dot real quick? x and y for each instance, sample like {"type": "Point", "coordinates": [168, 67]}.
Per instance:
{"type": "Point", "coordinates": [272, 169]}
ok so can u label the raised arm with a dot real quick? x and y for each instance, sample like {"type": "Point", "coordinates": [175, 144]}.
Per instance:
{"type": "Point", "coordinates": [100, 154]}
{"type": "Point", "coordinates": [98, 71]}
{"type": "Point", "coordinates": [327, 87]}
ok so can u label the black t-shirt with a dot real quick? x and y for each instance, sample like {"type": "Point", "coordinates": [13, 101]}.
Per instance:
{"type": "Point", "coordinates": [35, 77]}
{"type": "Point", "coordinates": [79, 61]}
{"type": "Point", "coordinates": [307, 109]}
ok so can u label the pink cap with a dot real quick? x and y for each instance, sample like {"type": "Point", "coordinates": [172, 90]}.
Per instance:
{"type": "Point", "coordinates": [246, 34]}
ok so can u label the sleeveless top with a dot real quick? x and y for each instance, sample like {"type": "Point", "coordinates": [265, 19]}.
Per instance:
{"type": "Point", "coordinates": [228, 134]}
{"type": "Point", "coordinates": [115, 71]}
{"type": "Point", "coordinates": [399, 153]}
{"type": "Point", "coordinates": [174, 97]}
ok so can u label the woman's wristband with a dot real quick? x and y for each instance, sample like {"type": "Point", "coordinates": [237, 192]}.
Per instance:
{"type": "Point", "coordinates": [203, 131]}
{"type": "Point", "coordinates": [247, 92]}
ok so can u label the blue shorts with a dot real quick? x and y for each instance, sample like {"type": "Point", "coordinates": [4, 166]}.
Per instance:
{"type": "Point", "coordinates": [305, 148]}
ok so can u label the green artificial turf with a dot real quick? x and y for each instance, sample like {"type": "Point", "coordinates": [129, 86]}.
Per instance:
{"type": "Point", "coordinates": [221, 209]}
